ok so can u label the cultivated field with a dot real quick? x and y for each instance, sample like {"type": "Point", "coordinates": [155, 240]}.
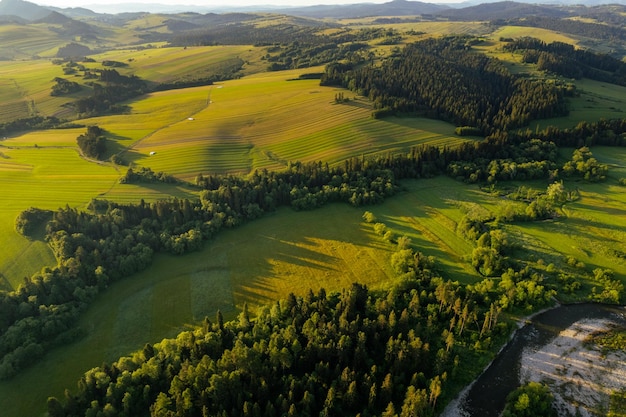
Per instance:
{"type": "Point", "coordinates": [269, 119]}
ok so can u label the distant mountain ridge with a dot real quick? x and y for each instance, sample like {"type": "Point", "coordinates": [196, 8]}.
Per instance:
{"type": "Point", "coordinates": [18, 10]}
{"type": "Point", "coordinates": [23, 9]}
{"type": "Point", "coordinates": [392, 8]}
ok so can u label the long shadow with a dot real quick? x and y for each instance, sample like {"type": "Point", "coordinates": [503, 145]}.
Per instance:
{"type": "Point", "coordinates": [301, 248]}
{"type": "Point", "coordinates": [5, 285]}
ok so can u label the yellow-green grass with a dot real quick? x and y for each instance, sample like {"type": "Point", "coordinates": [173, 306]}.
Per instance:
{"type": "Point", "coordinates": [27, 41]}
{"type": "Point", "coordinates": [265, 120]}
{"type": "Point", "coordinates": [591, 230]}
{"type": "Point", "coordinates": [545, 35]}
{"type": "Point", "coordinates": [431, 28]}
{"type": "Point", "coordinates": [152, 113]}
{"type": "Point", "coordinates": [47, 178]}
{"type": "Point", "coordinates": [258, 263]}
{"type": "Point", "coordinates": [25, 85]}
{"type": "Point", "coordinates": [288, 251]}
{"type": "Point", "coordinates": [50, 176]}
{"type": "Point", "coordinates": [428, 213]}
{"type": "Point", "coordinates": [172, 63]}
{"type": "Point", "coordinates": [29, 83]}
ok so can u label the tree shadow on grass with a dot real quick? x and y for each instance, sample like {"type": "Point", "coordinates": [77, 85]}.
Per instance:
{"type": "Point", "coordinates": [5, 285]}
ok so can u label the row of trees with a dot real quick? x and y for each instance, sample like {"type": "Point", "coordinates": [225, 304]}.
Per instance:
{"type": "Point", "coordinates": [64, 87]}
{"type": "Point", "coordinates": [110, 88]}
{"type": "Point", "coordinates": [146, 175]}
{"type": "Point", "coordinates": [30, 123]}
{"type": "Point", "coordinates": [579, 27]}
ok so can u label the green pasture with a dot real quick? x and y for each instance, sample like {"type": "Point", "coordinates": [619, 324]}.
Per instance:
{"type": "Point", "coordinates": [164, 64]}
{"type": "Point", "coordinates": [266, 120]}
{"type": "Point", "coordinates": [545, 35]}
{"type": "Point", "coordinates": [44, 169]}
{"type": "Point", "coordinates": [25, 85]}
{"type": "Point", "coordinates": [27, 41]}
{"type": "Point", "coordinates": [261, 121]}
{"type": "Point", "coordinates": [150, 114]}
{"type": "Point", "coordinates": [289, 251]}
{"type": "Point", "coordinates": [597, 100]}
{"type": "Point", "coordinates": [257, 263]}
{"type": "Point", "coordinates": [25, 89]}
{"type": "Point", "coordinates": [441, 28]}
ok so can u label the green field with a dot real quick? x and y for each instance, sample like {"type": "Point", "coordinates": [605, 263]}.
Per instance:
{"type": "Point", "coordinates": [260, 121]}
{"type": "Point", "coordinates": [267, 120]}
{"type": "Point", "coordinates": [331, 247]}
{"type": "Point", "coordinates": [596, 100]}
{"type": "Point", "coordinates": [257, 263]}
{"type": "Point", "coordinates": [44, 169]}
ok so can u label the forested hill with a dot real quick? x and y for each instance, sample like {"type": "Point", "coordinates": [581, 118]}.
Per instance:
{"type": "Point", "coordinates": [356, 353]}
{"type": "Point", "coordinates": [441, 79]}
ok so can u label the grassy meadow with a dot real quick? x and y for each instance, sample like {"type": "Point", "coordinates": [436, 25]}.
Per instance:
{"type": "Point", "coordinates": [25, 89]}
{"type": "Point", "coordinates": [45, 170]}
{"type": "Point", "coordinates": [266, 120]}
{"type": "Point", "coordinates": [329, 248]}
{"type": "Point", "coordinates": [260, 121]}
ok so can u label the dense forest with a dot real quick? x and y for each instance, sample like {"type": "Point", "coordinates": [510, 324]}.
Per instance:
{"type": "Point", "coordinates": [443, 79]}
{"type": "Point", "coordinates": [92, 143]}
{"type": "Point", "coordinates": [354, 353]}
{"type": "Point", "coordinates": [110, 88]}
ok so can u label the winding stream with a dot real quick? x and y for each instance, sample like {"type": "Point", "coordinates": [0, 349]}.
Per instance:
{"type": "Point", "coordinates": [487, 396]}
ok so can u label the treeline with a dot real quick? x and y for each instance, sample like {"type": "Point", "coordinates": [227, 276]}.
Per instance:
{"type": "Point", "coordinates": [574, 27]}
{"type": "Point", "coordinates": [63, 87]}
{"type": "Point", "coordinates": [563, 59]}
{"type": "Point", "coordinates": [111, 89]}
{"type": "Point", "coordinates": [116, 240]}
{"type": "Point", "coordinates": [297, 55]}
{"type": "Point", "coordinates": [304, 33]}
{"type": "Point", "coordinates": [29, 123]}
{"type": "Point", "coordinates": [225, 70]}
{"type": "Point", "coordinates": [444, 79]}
{"type": "Point", "coordinates": [246, 34]}
{"type": "Point", "coordinates": [402, 353]}
{"type": "Point", "coordinates": [147, 175]}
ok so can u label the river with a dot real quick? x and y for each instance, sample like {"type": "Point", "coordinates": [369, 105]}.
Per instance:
{"type": "Point", "coordinates": [487, 395]}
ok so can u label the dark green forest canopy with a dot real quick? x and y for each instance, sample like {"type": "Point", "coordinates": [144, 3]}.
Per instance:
{"type": "Point", "coordinates": [338, 354]}
{"type": "Point", "coordinates": [444, 79]}
{"type": "Point", "coordinates": [565, 60]}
